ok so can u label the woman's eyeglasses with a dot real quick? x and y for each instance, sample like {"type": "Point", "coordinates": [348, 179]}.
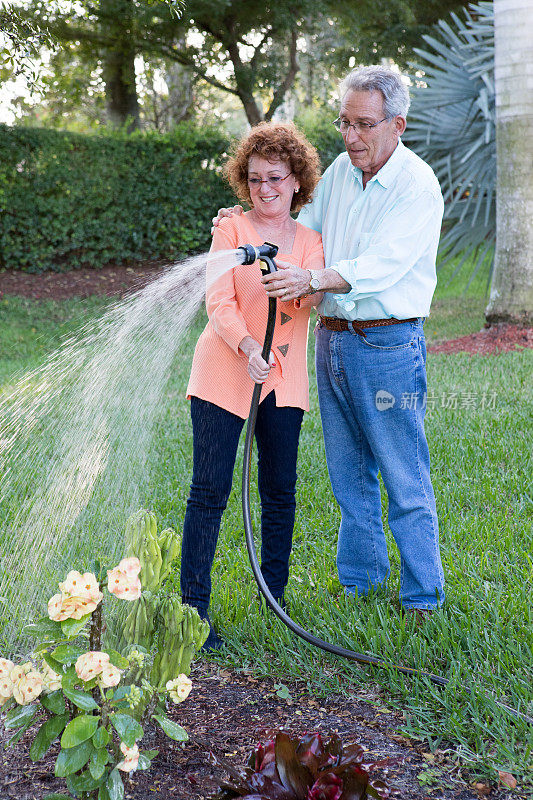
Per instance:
{"type": "Point", "coordinates": [274, 180]}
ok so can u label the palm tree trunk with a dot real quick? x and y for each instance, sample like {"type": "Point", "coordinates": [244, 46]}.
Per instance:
{"type": "Point", "coordinates": [511, 297]}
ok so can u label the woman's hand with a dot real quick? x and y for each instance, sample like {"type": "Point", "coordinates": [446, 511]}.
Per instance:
{"type": "Point", "coordinates": [258, 369]}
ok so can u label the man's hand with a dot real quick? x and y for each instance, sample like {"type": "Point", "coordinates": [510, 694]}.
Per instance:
{"type": "Point", "coordinates": [258, 369]}
{"type": "Point", "coordinates": [225, 212]}
{"type": "Point", "coordinates": [288, 282]}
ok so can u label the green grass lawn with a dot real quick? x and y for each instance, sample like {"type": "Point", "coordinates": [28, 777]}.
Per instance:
{"type": "Point", "coordinates": [478, 429]}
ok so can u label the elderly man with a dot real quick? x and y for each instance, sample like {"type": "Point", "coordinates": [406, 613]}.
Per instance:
{"type": "Point", "coordinates": [379, 209]}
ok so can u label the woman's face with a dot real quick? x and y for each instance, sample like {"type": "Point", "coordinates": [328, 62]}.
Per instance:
{"type": "Point", "coordinates": [271, 199]}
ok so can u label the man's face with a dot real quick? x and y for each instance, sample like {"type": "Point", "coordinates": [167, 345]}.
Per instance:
{"type": "Point", "coordinates": [370, 149]}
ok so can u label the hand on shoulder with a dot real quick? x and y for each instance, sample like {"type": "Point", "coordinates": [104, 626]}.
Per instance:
{"type": "Point", "coordinates": [225, 212]}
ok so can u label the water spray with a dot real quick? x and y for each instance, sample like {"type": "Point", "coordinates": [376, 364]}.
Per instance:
{"type": "Point", "coordinates": [266, 254]}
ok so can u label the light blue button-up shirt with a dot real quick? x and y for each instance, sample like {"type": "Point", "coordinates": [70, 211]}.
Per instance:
{"type": "Point", "coordinates": [382, 240]}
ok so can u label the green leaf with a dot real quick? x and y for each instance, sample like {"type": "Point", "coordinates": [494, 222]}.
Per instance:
{"type": "Point", "coordinates": [53, 702]}
{"type": "Point", "coordinates": [101, 737]}
{"type": "Point", "coordinates": [79, 730]}
{"type": "Point", "coordinates": [45, 628]}
{"type": "Point", "coordinates": [18, 716]}
{"type": "Point", "coordinates": [97, 762]}
{"type": "Point", "coordinates": [67, 653]}
{"type": "Point", "coordinates": [120, 696]}
{"type": "Point", "coordinates": [171, 729]}
{"type": "Point", "coordinates": [282, 691]}
{"type": "Point", "coordinates": [144, 762]}
{"type": "Point", "coordinates": [83, 700]}
{"type": "Point", "coordinates": [150, 753]}
{"type": "Point", "coordinates": [73, 759]}
{"type": "Point", "coordinates": [48, 733]}
{"type": "Point", "coordinates": [72, 627]}
{"type": "Point", "coordinates": [117, 660]}
{"type": "Point", "coordinates": [84, 782]}
{"type": "Point", "coordinates": [103, 794]}
{"type": "Point", "coordinates": [52, 663]}
{"type": "Point", "coordinates": [114, 784]}
{"type": "Point", "coordinates": [19, 734]}
{"type": "Point", "coordinates": [127, 728]}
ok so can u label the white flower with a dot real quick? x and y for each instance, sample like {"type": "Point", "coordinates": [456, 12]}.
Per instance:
{"type": "Point", "coordinates": [179, 688]}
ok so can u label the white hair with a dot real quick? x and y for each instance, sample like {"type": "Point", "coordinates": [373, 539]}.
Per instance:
{"type": "Point", "coordinates": [396, 99]}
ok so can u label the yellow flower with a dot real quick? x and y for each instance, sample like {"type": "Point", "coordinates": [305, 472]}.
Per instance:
{"type": "Point", "coordinates": [110, 676]}
{"type": "Point", "coordinates": [5, 666]}
{"type": "Point", "coordinates": [179, 688]}
{"type": "Point", "coordinates": [83, 586]}
{"type": "Point", "coordinates": [27, 684]}
{"type": "Point", "coordinates": [131, 758]}
{"type": "Point", "coordinates": [123, 581]}
{"type": "Point", "coordinates": [6, 689]}
{"type": "Point", "coordinates": [80, 594]}
{"type": "Point", "coordinates": [51, 679]}
{"type": "Point", "coordinates": [90, 665]}
{"type": "Point", "coordinates": [17, 673]}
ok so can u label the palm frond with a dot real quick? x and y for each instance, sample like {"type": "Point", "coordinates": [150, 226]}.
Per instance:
{"type": "Point", "coordinates": [452, 127]}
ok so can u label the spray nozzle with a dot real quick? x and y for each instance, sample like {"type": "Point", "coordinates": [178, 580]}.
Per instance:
{"type": "Point", "coordinates": [265, 253]}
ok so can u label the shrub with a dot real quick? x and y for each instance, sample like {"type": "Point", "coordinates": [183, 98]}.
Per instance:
{"type": "Point", "coordinates": [70, 200]}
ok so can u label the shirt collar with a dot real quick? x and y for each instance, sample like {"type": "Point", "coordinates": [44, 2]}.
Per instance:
{"type": "Point", "coordinates": [388, 171]}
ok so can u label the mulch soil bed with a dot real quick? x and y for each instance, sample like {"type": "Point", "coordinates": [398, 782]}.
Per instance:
{"type": "Point", "coordinates": [228, 713]}
{"type": "Point", "coordinates": [117, 280]}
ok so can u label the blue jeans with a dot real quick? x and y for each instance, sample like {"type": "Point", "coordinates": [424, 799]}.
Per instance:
{"type": "Point", "coordinates": [215, 438]}
{"type": "Point", "coordinates": [372, 394]}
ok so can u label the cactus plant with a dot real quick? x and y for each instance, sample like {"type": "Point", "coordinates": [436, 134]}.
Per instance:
{"type": "Point", "coordinates": [155, 618]}
{"type": "Point", "coordinates": [182, 632]}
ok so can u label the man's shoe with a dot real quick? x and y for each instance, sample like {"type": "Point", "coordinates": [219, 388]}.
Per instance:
{"type": "Point", "coordinates": [279, 600]}
{"type": "Point", "coordinates": [213, 641]}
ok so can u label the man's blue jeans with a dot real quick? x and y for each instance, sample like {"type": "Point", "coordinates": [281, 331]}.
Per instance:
{"type": "Point", "coordinates": [372, 394]}
{"type": "Point", "coordinates": [215, 438]}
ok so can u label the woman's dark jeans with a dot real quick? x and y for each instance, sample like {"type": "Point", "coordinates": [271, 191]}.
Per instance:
{"type": "Point", "coordinates": [215, 438]}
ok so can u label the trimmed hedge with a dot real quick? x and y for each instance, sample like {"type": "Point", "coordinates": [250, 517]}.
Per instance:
{"type": "Point", "coordinates": [71, 200]}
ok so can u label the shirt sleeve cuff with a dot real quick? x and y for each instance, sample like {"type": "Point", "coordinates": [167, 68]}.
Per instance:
{"type": "Point", "coordinates": [346, 270]}
{"type": "Point", "coordinates": [233, 336]}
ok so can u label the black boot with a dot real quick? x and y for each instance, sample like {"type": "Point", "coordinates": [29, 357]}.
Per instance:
{"type": "Point", "coordinates": [213, 641]}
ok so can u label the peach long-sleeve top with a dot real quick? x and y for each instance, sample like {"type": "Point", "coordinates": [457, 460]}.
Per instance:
{"type": "Point", "coordinates": [237, 306]}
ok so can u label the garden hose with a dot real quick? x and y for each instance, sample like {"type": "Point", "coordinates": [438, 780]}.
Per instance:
{"type": "Point", "coordinates": [266, 254]}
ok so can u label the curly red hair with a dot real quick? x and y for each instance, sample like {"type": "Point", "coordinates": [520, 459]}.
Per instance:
{"type": "Point", "coordinates": [275, 141]}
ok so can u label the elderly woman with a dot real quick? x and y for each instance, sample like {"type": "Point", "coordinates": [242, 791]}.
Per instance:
{"type": "Point", "coordinates": [275, 170]}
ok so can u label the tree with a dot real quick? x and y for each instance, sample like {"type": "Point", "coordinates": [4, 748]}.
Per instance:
{"type": "Point", "coordinates": [247, 48]}
{"type": "Point", "coordinates": [21, 41]}
{"type": "Point", "coordinates": [511, 297]}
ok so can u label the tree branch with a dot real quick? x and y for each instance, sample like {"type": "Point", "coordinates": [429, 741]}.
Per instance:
{"type": "Point", "coordinates": [279, 94]}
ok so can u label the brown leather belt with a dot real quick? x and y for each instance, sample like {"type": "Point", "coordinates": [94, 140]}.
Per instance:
{"type": "Point", "coordinates": [335, 324]}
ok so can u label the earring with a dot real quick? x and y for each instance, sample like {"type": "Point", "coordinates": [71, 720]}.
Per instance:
{"type": "Point", "coordinates": [296, 191]}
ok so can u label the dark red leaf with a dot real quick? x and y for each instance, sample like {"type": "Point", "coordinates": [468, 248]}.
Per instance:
{"type": "Point", "coordinates": [294, 775]}
{"type": "Point", "coordinates": [354, 784]}
{"type": "Point", "coordinates": [334, 746]}
{"type": "Point", "coordinates": [353, 754]}
{"type": "Point", "coordinates": [327, 787]}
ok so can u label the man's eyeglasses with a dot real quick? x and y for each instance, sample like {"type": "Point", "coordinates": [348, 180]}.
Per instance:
{"type": "Point", "coordinates": [344, 126]}
{"type": "Point", "coordinates": [274, 180]}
